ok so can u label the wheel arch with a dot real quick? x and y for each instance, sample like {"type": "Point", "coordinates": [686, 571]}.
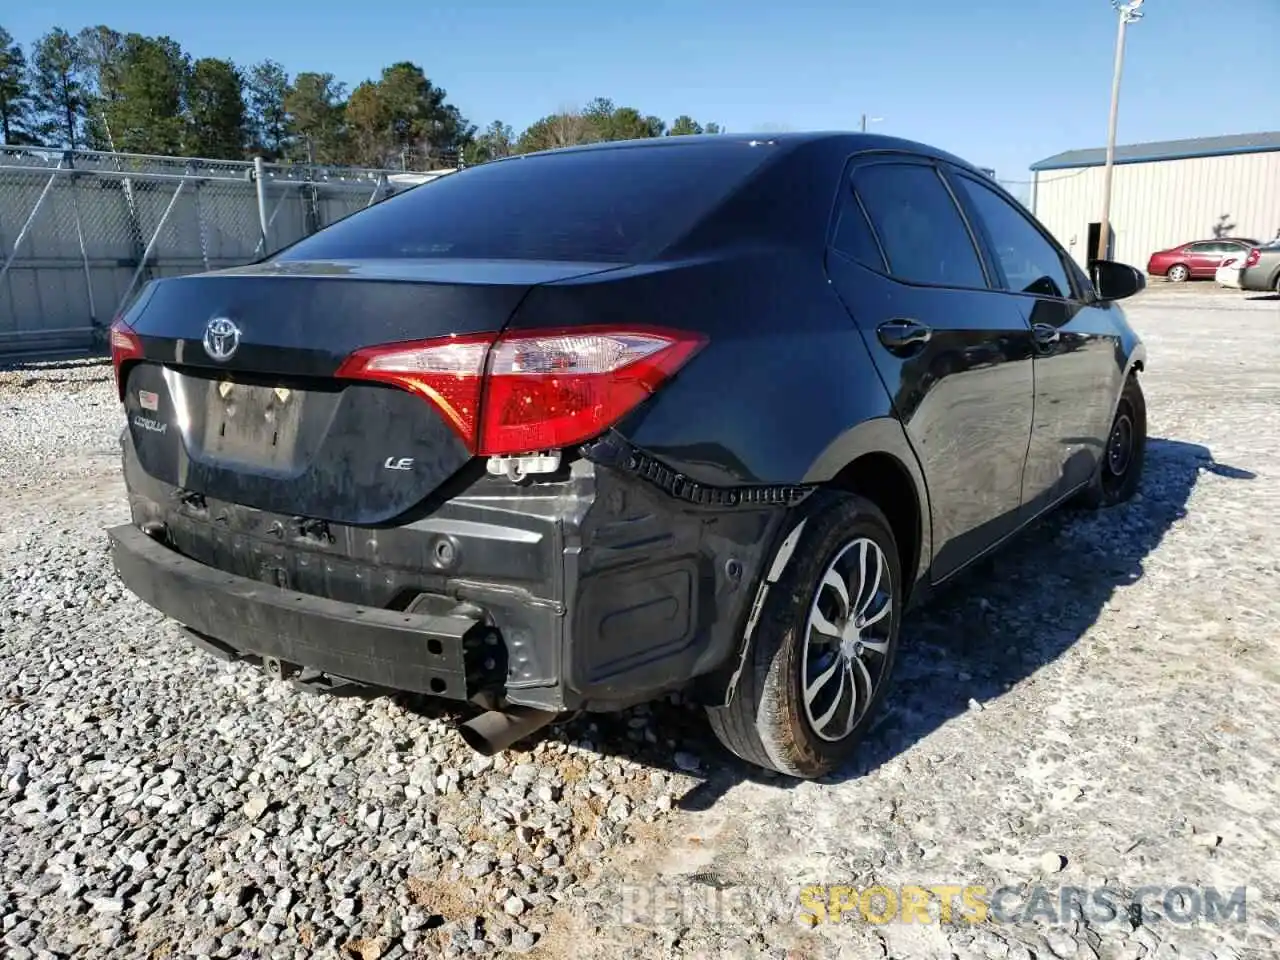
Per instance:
{"type": "Point", "coordinates": [875, 460]}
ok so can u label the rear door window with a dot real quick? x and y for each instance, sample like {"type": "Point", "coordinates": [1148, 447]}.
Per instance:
{"type": "Point", "coordinates": [618, 204]}
{"type": "Point", "coordinates": [924, 238]}
{"type": "Point", "coordinates": [853, 236]}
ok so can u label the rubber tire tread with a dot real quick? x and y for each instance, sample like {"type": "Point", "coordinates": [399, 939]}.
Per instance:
{"type": "Point", "coordinates": [751, 716]}
{"type": "Point", "coordinates": [1094, 496]}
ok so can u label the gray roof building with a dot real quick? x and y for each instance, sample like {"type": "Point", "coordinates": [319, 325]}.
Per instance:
{"type": "Point", "coordinates": [1164, 194]}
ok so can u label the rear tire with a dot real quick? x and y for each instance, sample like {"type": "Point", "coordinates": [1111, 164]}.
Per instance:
{"type": "Point", "coordinates": [1178, 273]}
{"type": "Point", "coordinates": [1119, 469]}
{"type": "Point", "coordinates": [828, 628]}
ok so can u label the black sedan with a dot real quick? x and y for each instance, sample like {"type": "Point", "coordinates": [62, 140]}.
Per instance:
{"type": "Point", "coordinates": [571, 430]}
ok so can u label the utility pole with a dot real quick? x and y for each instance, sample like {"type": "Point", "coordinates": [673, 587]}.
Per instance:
{"type": "Point", "coordinates": [1129, 13]}
{"type": "Point", "coordinates": [866, 120]}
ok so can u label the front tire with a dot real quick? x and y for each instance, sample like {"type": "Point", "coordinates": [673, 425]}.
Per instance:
{"type": "Point", "coordinates": [823, 649]}
{"type": "Point", "coordinates": [1119, 469]}
{"type": "Point", "coordinates": [1179, 273]}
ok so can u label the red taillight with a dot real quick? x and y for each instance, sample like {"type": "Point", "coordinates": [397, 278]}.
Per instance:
{"type": "Point", "coordinates": [549, 390]}
{"type": "Point", "coordinates": [125, 346]}
{"type": "Point", "coordinates": [1254, 256]}
{"type": "Point", "coordinates": [448, 372]}
{"type": "Point", "coordinates": [531, 391]}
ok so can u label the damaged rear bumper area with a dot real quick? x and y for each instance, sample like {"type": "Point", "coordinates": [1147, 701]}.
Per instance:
{"type": "Point", "coordinates": [608, 584]}
{"type": "Point", "coordinates": [424, 653]}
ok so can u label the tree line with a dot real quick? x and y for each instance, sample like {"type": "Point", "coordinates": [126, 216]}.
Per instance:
{"type": "Point", "coordinates": [100, 89]}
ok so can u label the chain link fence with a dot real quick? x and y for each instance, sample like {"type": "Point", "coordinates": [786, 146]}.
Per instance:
{"type": "Point", "coordinates": [81, 231]}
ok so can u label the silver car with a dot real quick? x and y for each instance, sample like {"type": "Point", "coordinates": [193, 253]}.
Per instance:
{"type": "Point", "coordinates": [1262, 267]}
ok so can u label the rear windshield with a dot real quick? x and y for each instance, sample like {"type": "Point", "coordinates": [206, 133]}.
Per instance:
{"type": "Point", "coordinates": [610, 205]}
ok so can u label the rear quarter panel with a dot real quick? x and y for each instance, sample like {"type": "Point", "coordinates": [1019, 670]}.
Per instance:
{"type": "Point", "coordinates": [784, 375]}
{"type": "Point", "coordinates": [785, 392]}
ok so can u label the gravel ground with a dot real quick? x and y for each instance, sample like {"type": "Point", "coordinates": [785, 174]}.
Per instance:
{"type": "Point", "coordinates": [1096, 706]}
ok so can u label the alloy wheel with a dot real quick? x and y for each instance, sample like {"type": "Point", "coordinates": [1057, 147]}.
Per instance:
{"type": "Point", "coordinates": [1178, 273]}
{"type": "Point", "coordinates": [847, 639]}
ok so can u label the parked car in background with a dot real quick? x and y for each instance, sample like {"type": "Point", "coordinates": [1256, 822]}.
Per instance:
{"type": "Point", "coordinates": [1197, 260]}
{"type": "Point", "coordinates": [1262, 267]}
{"type": "Point", "coordinates": [570, 430]}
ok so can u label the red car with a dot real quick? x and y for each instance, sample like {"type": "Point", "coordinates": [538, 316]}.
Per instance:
{"type": "Point", "coordinates": [1197, 260]}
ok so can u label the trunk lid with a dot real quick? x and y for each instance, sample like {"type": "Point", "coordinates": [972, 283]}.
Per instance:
{"type": "Point", "coordinates": [235, 396]}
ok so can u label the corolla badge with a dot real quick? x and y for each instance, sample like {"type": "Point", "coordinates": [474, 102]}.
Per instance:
{"type": "Point", "coordinates": [221, 338]}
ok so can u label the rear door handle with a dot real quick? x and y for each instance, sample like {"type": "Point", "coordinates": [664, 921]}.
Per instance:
{"type": "Point", "coordinates": [1045, 333]}
{"type": "Point", "coordinates": [900, 336]}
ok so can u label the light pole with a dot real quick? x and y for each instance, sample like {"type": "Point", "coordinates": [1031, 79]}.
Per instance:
{"type": "Point", "coordinates": [865, 121]}
{"type": "Point", "coordinates": [1129, 13]}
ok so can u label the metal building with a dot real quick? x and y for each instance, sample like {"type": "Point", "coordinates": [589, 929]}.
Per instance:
{"type": "Point", "coordinates": [1162, 195]}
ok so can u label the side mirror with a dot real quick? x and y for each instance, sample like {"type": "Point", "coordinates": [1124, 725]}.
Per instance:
{"type": "Point", "coordinates": [1115, 281]}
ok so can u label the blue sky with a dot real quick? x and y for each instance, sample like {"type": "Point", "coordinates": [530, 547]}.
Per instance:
{"type": "Point", "coordinates": [998, 82]}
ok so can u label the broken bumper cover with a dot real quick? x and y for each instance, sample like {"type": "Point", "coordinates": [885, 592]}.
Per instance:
{"type": "Point", "coordinates": [417, 652]}
{"type": "Point", "coordinates": [611, 587]}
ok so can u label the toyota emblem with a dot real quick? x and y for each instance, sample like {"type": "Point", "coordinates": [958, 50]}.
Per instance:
{"type": "Point", "coordinates": [221, 338]}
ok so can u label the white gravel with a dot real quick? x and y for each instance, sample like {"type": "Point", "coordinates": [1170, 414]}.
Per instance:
{"type": "Point", "coordinates": [1096, 705]}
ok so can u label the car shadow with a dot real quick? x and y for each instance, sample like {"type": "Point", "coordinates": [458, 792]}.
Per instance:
{"type": "Point", "coordinates": [996, 625]}
{"type": "Point", "coordinates": [1265, 297]}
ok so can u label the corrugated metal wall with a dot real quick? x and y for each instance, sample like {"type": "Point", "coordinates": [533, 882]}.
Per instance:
{"type": "Point", "coordinates": [1159, 205]}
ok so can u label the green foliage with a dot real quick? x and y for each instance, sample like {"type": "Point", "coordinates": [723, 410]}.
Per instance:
{"type": "Point", "coordinates": [369, 124]}
{"type": "Point", "coordinates": [608, 122]}
{"type": "Point", "coordinates": [57, 88]}
{"type": "Point", "coordinates": [148, 115]}
{"type": "Point", "coordinates": [16, 119]}
{"type": "Point", "coordinates": [314, 104]}
{"type": "Point", "coordinates": [216, 114]}
{"type": "Point", "coordinates": [497, 141]}
{"type": "Point", "coordinates": [600, 121]}
{"type": "Point", "coordinates": [402, 115]}
{"type": "Point", "coordinates": [565, 129]}
{"type": "Point", "coordinates": [101, 61]}
{"type": "Point", "coordinates": [134, 93]}
{"type": "Point", "coordinates": [684, 125]}
{"type": "Point", "coordinates": [267, 86]}
{"type": "Point", "coordinates": [628, 124]}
